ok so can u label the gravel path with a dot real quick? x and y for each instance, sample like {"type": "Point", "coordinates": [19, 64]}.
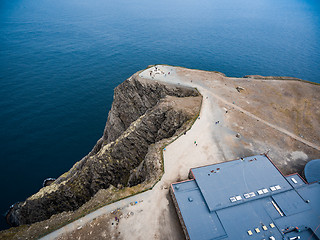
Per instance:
{"type": "Point", "coordinates": [104, 210]}
{"type": "Point", "coordinates": [209, 141]}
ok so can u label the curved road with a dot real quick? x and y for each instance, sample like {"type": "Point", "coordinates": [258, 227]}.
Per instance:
{"type": "Point", "coordinates": [170, 78]}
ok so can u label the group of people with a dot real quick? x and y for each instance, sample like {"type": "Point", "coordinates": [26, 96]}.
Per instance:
{"type": "Point", "coordinates": [157, 71]}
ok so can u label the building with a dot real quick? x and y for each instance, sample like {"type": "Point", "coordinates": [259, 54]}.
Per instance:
{"type": "Point", "coordinates": [247, 198]}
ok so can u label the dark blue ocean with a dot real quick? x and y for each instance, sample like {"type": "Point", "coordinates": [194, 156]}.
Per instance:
{"type": "Point", "coordinates": [61, 59]}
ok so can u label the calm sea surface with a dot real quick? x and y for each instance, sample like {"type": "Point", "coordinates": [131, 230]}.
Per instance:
{"type": "Point", "coordinates": [60, 61]}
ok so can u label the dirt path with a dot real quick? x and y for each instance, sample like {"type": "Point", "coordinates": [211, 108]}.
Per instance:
{"type": "Point", "coordinates": [155, 217]}
{"type": "Point", "coordinates": [78, 224]}
{"type": "Point", "coordinates": [267, 123]}
{"type": "Point", "coordinates": [210, 140]}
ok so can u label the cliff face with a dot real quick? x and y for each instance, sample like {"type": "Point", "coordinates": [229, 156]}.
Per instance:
{"type": "Point", "coordinates": [239, 117]}
{"type": "Point", "coordinates": [143, 113]}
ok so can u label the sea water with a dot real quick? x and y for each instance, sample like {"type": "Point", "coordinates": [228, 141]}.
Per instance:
{"type": "Point", "coordinates": [60, 61]}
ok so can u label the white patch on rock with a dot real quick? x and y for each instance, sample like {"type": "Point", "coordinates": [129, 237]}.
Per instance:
{"type": "Point", "coordinates": [299, 155]}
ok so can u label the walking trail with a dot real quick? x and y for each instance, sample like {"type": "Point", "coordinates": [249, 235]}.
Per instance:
{"type": "Point", "coordinates": [154, 216]}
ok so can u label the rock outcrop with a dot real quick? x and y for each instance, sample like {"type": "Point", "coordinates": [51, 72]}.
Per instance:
{"type": "Point", "coordinates": [143, 113]}
{"type": "Point", "coordinates": [240, 117]}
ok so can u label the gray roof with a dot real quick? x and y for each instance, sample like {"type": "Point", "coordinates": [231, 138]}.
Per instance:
{"type": "Point", "coordinates": [226, 200]}
{"type": "Point", "coordinates": [312, 171]}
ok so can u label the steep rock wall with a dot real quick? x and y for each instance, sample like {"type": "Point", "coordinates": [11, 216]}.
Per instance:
{"type": "Point", "coordinates": [143, 113]}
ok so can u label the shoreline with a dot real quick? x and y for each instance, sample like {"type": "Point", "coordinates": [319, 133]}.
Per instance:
{"type": "Point", "coordinates": [227, 128]}
{"type": "Point", "coordinates": [185, 142]}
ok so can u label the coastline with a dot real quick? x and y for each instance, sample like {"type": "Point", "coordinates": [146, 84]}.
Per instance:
{"type": "Point", "coordinates": [183, 154]}
{"type": "Point", "coordinates": [214, 132]}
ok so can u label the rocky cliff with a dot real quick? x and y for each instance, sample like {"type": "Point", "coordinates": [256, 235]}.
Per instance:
{"type": "Point", "coordinates": [143, 114]}
{"type": "Point", "coordinates": [239, 117]}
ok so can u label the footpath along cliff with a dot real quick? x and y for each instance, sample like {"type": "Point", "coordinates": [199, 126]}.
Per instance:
{"type": "Point", "coordinates": [144, 115]}
{"type": "Point", "coordinates": [239, 117]}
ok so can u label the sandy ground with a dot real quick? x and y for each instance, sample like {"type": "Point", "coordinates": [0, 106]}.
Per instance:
{"type": "Point", "coordinates": [226, 129]}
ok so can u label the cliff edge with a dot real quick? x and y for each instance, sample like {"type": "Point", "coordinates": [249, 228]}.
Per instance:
{"type": "Point", "coordinates": [239, 117]}
{"type": "Point", "coordinates": [143, 114]}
